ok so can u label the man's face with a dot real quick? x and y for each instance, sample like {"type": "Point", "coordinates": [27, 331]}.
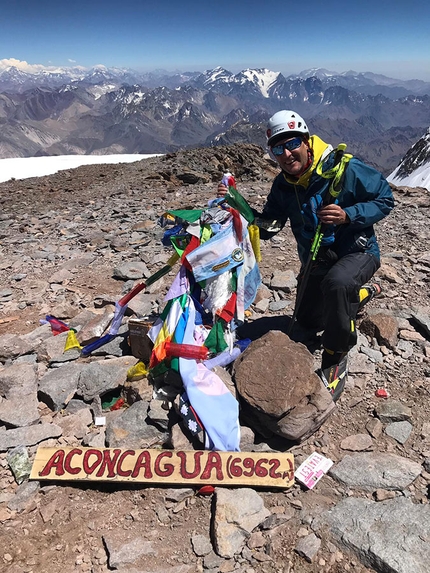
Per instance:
{"type": "Point", "coordinates": [293, 162]}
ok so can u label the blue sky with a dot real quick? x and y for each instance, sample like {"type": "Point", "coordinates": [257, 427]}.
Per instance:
{"type": "Point", "coordinates": [381, 36]}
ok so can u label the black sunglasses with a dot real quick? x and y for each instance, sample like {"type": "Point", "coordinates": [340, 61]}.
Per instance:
{"type": "Point", "coordinates": [289, 145]}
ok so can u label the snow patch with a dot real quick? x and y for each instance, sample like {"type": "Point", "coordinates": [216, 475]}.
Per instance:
{"type": "Point", "coordinates": [418, 178]}
{"type": "Point", "coordinates": [25, 167]}
{"type": "Point", "coordinates": [263, 78]}
{"type": "Point", "coordinates": [414, 169]}
{"type": "Point", "coordinates": [99, 90]}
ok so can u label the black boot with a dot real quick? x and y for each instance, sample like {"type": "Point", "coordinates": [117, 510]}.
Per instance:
{"type": "Point", "coordinates": [367, 292]}
{"type": "Point", "coordinates": [334, 371]}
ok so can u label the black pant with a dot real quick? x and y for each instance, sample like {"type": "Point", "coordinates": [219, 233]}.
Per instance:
{"type": "Point", "coordinates": [331, 298]}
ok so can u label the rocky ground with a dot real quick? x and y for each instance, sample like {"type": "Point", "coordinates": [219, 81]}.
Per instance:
{"type": "Point", "coordinates": [69, 246]}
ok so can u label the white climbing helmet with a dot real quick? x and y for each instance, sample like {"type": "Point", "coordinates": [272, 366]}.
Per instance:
{"type": "Point", "coordinates": [283, 124]}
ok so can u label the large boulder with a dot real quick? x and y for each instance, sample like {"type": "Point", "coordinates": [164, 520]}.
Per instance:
{"type": "Point", "coordinates": [281, 393]}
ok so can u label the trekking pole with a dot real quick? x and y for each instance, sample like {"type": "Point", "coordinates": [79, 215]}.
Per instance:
{"type": "Point", "coordinates": [334, 191]}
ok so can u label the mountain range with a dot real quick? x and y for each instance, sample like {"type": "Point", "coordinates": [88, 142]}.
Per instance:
{"type": "Point", "coordinates": [110, 110]}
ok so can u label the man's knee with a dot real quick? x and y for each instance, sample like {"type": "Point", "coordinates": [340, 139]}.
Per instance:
{"type": "Point", "coordinates": [338, 283]}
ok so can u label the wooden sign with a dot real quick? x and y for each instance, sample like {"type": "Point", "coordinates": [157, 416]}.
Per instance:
{"type": "Point", "coordinates": [165, 466]}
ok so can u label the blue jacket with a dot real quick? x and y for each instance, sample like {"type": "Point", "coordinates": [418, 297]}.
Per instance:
{"type": "Point", "coordinates": [366, 198]}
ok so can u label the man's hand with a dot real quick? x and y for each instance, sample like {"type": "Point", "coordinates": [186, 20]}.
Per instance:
{"type": "Point", "coordinates": [332, 215]}
{"type": "Point", "coordinates": [222, 190]}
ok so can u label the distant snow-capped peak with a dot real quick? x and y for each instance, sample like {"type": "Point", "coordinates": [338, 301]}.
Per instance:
{"type": "Point", "coordinates": [320, 73]}
{"type": "Point", "coordinates": [261, 77]}
{"type": "Point", "coordinates": [216, 75]}
{"type": "Point", "coordinates": [414, 169]}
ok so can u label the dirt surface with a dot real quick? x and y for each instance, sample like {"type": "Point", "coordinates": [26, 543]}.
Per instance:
{"type": "Point", "coordinates": [80, 212]}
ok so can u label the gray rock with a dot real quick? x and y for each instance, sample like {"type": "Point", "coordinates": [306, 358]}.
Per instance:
{"type": "Point", "coordinates": [118, 346]}
{"type": "Point", "coordinates": [400, 431]}
{"type": "Point", "coordinates": [247, 439]}
{"type": "Point", "coordinates": [178, 439]}
{"type": "Point", "coordinates": [201, 545]}
{"type": "Point", "coordinates": [18, 380]}
{"type": "Point", "coordinates": [82, 260]}
{"type": "Point", "coordinates": [283, 280]}
{"type": "Point", "coordinates": [131, 270]}
{"type": "Point", "coordinates": [296, 404]}
{"type": "Point", "coordinates": [276, 306]}
{"type": "Point", "coordinates": [237, 513]}
{"type": "Point", "coordinates": [19, 412]}
{"type": "Point", "coordinates": [162, 514]}
{"type": "Point", "coordinates": [374, 355]}
{"type": "Point", "coordinates": [122, 550]}
{"type": "Point", "coordinates": [263, 292]}
{"type": "Point", "coordinates": [277, 519]}
{"type": "Point", "coordinates": [389, 536]}
{"type": "Point", "coordinates": [262, 306]}
{"type": "Point", "coordinates": [18, 385]}
{"type": "Point", "coordinates": [405, 348]}
{"type": "Point", "coordinates": [12, 345]}
{"type": "Point", "coordinates": [393, 411]}
{"type": "Point", "coordinates": [158, 413]}
{"type": "Point", "coordinates": [359, 363]}
{"type": "Point", "coordinates": [96, 327]}
{"type": "Point", "coordinates": [131, 430]}
{"type": "Point", "coordinates": [370, 471]}
{"type": "Point", "coordinates": [75, 425]}
{"type": "Point", "coordinates": [81, 319]}
{"type": "Point", "coordinates": [178, 494]}
{"type": "Point", "coordinates": [26, 359]}
{"type": "Point", "coordinates": [75, 405]}
{"type": "Point", "coordinates": [28, 436]}
{"type": "Point", "coordinates": [51, 347]}
{"type": "Point", "coordinates": [23, 495]}
{"type": "Point", "coordinates": [308, 547]}
{"type": "Point", "coordinates": [212, 561]}
{"type": "Point", "coordinates": [58, 386]}
{"type": "Point", "coordinates": [60, 276]}
{"type": "Point", "coordinates": [141, 305]}
{"type": "Point", "coordinates": [100, 377]}
{"type": "Point", "coordinates": [374, 427]}
{"type": "Point", "coordinates": [95, 439]}
{"type": "Point", "coordinates": [421, 317]}
{"type": "Point", "coordinates": [357, 443]}
{"type": "Point", "coordinates": [67, 356]}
